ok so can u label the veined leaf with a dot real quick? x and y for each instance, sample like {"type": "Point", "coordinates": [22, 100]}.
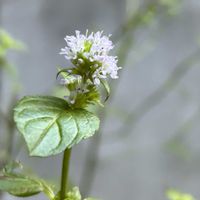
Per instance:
{"type": "Point", "coordinates": [16, 182]}
{"type": "Point", "coordinates": [20, 186]}
{"type": "Point", "coordinates": [49, 125]}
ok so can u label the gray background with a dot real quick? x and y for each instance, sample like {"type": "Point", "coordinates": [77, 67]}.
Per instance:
{"type": "Point", "coordinates": [158, 150]}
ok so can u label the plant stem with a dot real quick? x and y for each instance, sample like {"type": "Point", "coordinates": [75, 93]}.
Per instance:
{"type": "Point", "coordinates": [64, 174]}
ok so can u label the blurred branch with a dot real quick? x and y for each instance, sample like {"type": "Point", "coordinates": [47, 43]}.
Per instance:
{"type": "Point", "coordinates": [1, 2]}
{"type": "Point", "coordinates": [176, 143]}
{"type": "Point", "coordinates": [7, 43]}
{"type": "Point", "coordinates": [90, 164]}
{"type": "Point", "coordinates": [141, 17]}
{"type": "Point", "coordinates": [10, 128]}
{"type": "Point", "coordinates": [124, 34]}
{"type": "Point", "coordinates": [3, 116]}
{"type": "Point", "coordinates": [146, 105]}
{"type": "Point", "coordinates": [161, 93]}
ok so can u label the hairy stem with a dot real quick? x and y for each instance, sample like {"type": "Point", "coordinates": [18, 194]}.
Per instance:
{"type": "Point", "coordinates": [65, 172]}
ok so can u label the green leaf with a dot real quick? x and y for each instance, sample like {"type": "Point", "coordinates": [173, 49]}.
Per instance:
{"type": "Point", "coordinates": [49, 125]}
{"type": "Point", "coordinates": [20, 186]}
{"type": "Point", "coordinates": [66, 72]}
{"type": "Point", "coordinates": [15, 181]}
{"type": "Point", "coordinates": [74, 194]}
{"type": "Point", "coordinates": [107, 88]}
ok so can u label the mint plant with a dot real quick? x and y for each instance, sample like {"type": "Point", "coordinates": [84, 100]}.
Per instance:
{"type": "Point", "coordinates": [52, 125]}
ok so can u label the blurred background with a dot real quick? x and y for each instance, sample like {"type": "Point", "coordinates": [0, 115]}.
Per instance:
{"type": "Point", "coordinates": [149, 135]}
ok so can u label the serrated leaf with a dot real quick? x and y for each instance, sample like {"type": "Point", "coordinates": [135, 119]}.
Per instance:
{"type": "Point", "coordinates": [49, 125]}
{"type": "Point", "coordinates": [20, 186]}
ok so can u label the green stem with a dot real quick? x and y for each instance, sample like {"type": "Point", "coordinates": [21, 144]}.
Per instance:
{"type": "Point", "coordinates": [64, 174]}
{"type": "Point", "coordinates": [48, 191]}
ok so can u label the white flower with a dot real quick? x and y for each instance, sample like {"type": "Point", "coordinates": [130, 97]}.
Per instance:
{"type": "Point", "coordinates": [93, 48]}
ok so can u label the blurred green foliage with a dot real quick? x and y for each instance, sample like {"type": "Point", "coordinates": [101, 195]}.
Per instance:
{"type": "Point", "coordinates": [7, 42]}
{"type": "Point", "coordinates": [173, 6]}
{"type": "Point", "coordinates": [176, 195]}
{"type": "Point", "coordinates": [74, 194]}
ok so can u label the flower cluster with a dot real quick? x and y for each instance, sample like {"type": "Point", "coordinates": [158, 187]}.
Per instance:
{"type": "Point", "coordinates": [90, 52]}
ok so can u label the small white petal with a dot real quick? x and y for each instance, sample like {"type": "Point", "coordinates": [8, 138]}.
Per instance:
{"type": "Point", "coordinates": [97, 52]}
